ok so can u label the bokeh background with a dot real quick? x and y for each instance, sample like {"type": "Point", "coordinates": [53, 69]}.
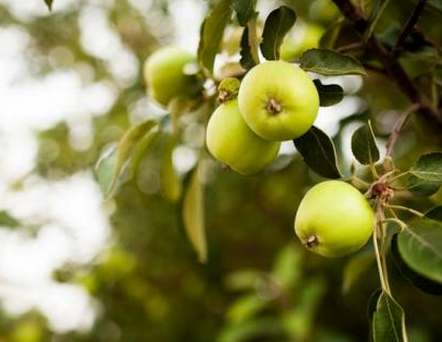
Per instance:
{"type": "Point", "coordinates": [74, 267]}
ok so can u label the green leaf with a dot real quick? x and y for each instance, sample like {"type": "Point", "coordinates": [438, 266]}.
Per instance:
{"type": "Point", "coordinates": [276, 26]}
{"type": "Point", "coordinates": [329, 94]}
{"type": "Point", "coordinates": [244, 279]}
{"type": "Point", "coordinates": [116, 161]}
{"type": "Point", "coordinates": [429, 167]}
{"type": "Point", "coordinates": [245, 10]}
{"type": "Point", "coordinates": [49, 4]}
{"type": "Point", "coordinates": [263, 328]}
{"type": "Point", "coordinates": [420, 187]}
{"type": "Point", "coordinates": [388, 321]}
{"type": "Point", "coordinates": [328, 62]}
{"type": "Point", "coordinates": [435, 214]}
{"type": "Point", "coordinates": [212, 32]}
{"type": "Point", "coordinates": [319, 153]}
{"type": "Point", "coordinates": [170, 180]}
{"type": "Point", "coordinates": [355, 268]}
{"type": "Point", "coordinates": [193, 215]}
{"type": "Point", "coordinates": [246, 60]}
{"type": "Point", "coordinates": [287, 268]}
{"type": "Point", "coordinates": [7, 220]}
{"type": "Point", "coordinates": [373, 303]}
{"type": "Point", "coordinates": [375, 15]}
{"type": "Point", "coordinates": [245, 308]}
{"type": "Point", "coordinates": [363, 145]}
{"type": "Point", "coordinates": [420, 247]}
{"type": "Point", "coordinates": [422, 283]}
{"type": "Point", "coordinates": [437, 75]}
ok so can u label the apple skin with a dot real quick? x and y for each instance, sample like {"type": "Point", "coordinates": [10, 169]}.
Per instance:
{"type": "Point", "coordinates": [278, 100]}
{"type": "Point", "coordinates": [232, 142]}
{"type": "Point", "coordinates": [164, 74]}
{"type": "Point", "coordinates": [303, 38]}
{"type": "Point", "coordinates": [334, 219]}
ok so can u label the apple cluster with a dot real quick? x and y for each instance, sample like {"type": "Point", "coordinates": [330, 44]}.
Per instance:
{"type": "Point", "coordinates": [276, 101]}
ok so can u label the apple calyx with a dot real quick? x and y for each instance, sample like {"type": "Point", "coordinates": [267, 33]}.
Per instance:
{"type": "Point", "coordinates": [274, 107]}
{"type": "Point", "coordinates": [311, 241]}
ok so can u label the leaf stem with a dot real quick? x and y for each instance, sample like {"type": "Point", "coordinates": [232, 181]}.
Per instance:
{"type": "Point", "coordinates": [253, 39]}
{"type": "Point", "coordinates": [400, 207]}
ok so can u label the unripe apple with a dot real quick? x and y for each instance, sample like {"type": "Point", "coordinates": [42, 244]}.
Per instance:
{"type": "Point", "coordinates": [304, 37]}
{"type": "Point", "coordinates": [233, 143]}
{"type": "Point", "coordinates": [334, 219]}
{"type": "Point", "coordinates": [278, 100]}
{"type": "Point", "coordinates": [165, 76]}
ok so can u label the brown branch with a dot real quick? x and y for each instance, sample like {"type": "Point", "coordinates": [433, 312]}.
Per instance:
{"type": "Point", "coordinates": [399, 126]}
{"type": "Point", "coordinates": [391, 65]}
{"type": "Point", "coordinates": [408, 27]}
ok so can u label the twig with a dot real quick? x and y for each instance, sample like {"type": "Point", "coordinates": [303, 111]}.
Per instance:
{"type": "Point", "coordinates": [408, 27]}
{"type": "Point", "coordinates": [351, 47]}
{"type": "Point", "coordinates": [399, 126]}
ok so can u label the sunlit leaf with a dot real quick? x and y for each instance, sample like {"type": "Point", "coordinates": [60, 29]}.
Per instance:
{"type": "Point", "coordinates": [329, 94]}
{"type": "Point", "coordinates": [276, 26]}
{"type": "Point", "coordinates": [420, 247]}
{"type": "Point", "coordinates": [287, 266]}
{"type": "Point", "coordinates": [170, 180]}
{"type": "Point", "coordinates": [212, 32]}
{"type": "Point", "coordinates": [429, 167]}
{"type": "Point", "coordinates": [388, 320]}
{"type": "Point", "coordinates": [328, 62]}
{"type": "Point", "coordinates": [193, 215]}
{"type": "Point", "coordinates": [319, 153]}
{"type": "Point", "coordinates": [363, 145]}
{"type": "Point", "coordinates": [245, 308]}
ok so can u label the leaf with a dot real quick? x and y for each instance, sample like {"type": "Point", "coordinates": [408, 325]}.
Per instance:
{"type": "Point", "coordinates": [318, 152]}
{"type": "Point", "coordinates": [246, 60]}
{"type": "Point", "coordinates": [429, 167]}
{"type": "Point", "coordinates": [328, 62]}
{"type": "Point", "coordinates": [420, 247]}
{"type": "Point", "coordinates": [170, 180]}
{"type": "Point", "coordinates": [245, 10]}
{"type": "Point", "coordinates": [437, 75]}
{"type": "Point", "coordinates": [287, 268]}
{"type": "Point", "coordinates": [373, 303]}
{"type": "Point", "coordinates": [193, 215]}
{"type": "Point", "coordinates": [375, 15]}
{"type": "Point", "coordinates": [7, 220]}
{"type": "Point", "coordinates": [388, 320]}
{"type": "Point", "coordinates": [420, 187]}
{"type": "Point", "coordinates": [262, 328]}
{"type": "Point", "coordinates": [122, 156]}
{"type": "Point", "coordinates": [329, 94]}
{"type": "Point", "coordinates": [245, 308]}
{"type": "Point", "coordinates": [276, 26]}
{"type": "Point", "coordinates": [422, 283]}
{"type": "Point", "coordinates": [212, 32]}
{"type": "Point", "coordinates": [435, 214]}
{"type": "Point", "coordinates": [49, 4]}
{"type": "Point", "coordinates": [363, 145]}
{"type": "Point", "coordinates": [355, 268]}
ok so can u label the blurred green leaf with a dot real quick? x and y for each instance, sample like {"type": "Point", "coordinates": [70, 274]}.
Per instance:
{"type": "Point", "coordinates": [212, 32]}
{"type": "Point", "coordinates": [246, 59]}
{"type": "Point", "coordinates": [438, 75]}
{"type": "Point", "coordinates": [355, 268]}
{"type": "Point", "coordinates": [170, 180]}
{"type": "Point", "coordinates": [287, 268]}
{"type": "Point", "coordinates": [245, 10]}
{"type": "Point", "coordinates": [243, 280]}
{"type": "Point", "coordinates": [49, 3]}
{"type": "Point", "coordinates": [245, 308]}
{"type": "Point", "coordinates": [363, 145]}
{"type": "Point", "coordinates": [319, 153]}
{"type": "Point", "coordinates": [329, 94]}
{"type": "Point", "coordinates": [420, 187]}
{"type": "Point", "coordinates": [276, 26]}
{"type": "Point", "coordinates": [375, 15]}
{"type": "Point", "coordinates": [388, 321]}
{"type": "Point", "coordinates": [193, 215]}
{"type": "Point", "coordinates": [7, 220]}
{"type": "Point", "coordinates": [435, 213]}
{"type": "Point", "coordinates": [331, 63]}
{"type": "Point", "coordinates": [416, 279]}
{"type": "Point", "coordinates": [429, 167]}
{"type": "Point", "coordinates": [261, 328]}
{"type": "Point", "coordinates": [420, 247]}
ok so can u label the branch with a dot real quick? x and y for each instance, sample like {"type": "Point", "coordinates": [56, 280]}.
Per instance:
{"type": "Point", "coordinates": [399, 126]}
{"type": "Point", "coordinates": [408, 27]}
{"type": "Point", "coordinates": [392, 66]}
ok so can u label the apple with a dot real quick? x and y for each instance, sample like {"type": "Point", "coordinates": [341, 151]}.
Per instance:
{"type": "Point", "coordinates": [334, 219]}
{"type": "Point", "coordinates": [278, 100]}
{"type": "Point", "coordinates": [303, 37]}
{"type": "Point", "coordinates": [165, 76]}
{"type": "Point", "coordinates": [232, 142]}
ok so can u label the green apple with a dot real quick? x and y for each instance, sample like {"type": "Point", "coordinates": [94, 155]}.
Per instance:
{"type": "Point", "coordinates": [278, 100]}
{"type": "Point", "coordinates": [165, 76]}
{"type": "Point", "coordinates": [304, 36]}
{"type": "Point", "coordinates": [232, 142]}
{"type": "Point", "coordinates": [334, 219]}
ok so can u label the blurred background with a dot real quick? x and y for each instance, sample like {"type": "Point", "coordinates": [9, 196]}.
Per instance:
{"type": "Point", "coordinates": [74, 267]}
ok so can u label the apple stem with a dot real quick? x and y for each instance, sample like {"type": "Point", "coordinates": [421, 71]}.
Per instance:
{"type": "Point", "coordinates": [312, 241]}
{"type": "Point", "coordinates": [274, 106]}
